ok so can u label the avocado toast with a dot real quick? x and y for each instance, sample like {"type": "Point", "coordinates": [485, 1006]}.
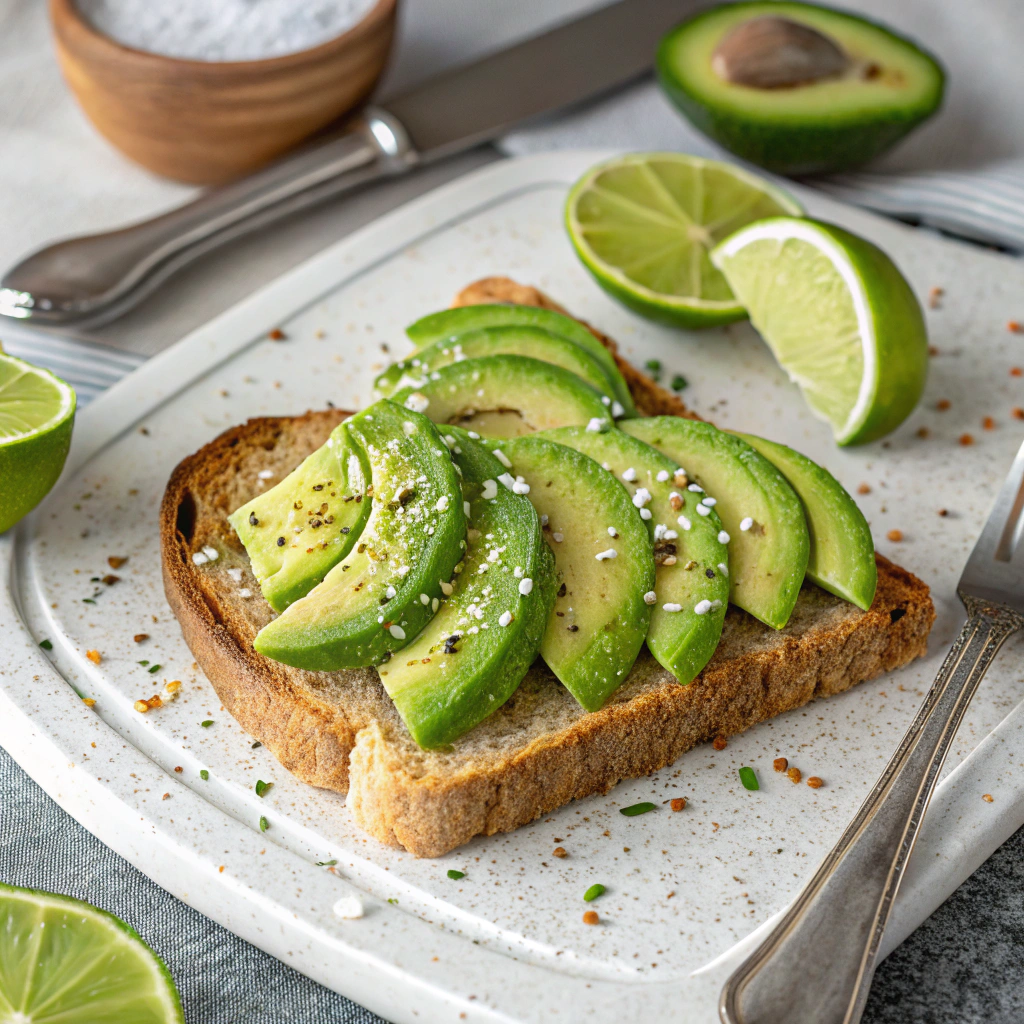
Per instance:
{"type": "Point", "coordinates": [540, 750]}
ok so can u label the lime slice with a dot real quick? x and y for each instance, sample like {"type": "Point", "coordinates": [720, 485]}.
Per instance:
{"type": "Point", "coordinates": [839, 317]}
{"type": "Point", "coordinates": [37, 412]}
{"type": "Point", "coordinates": [62, 960]}
{"type": "Point", "coordinates": [643, 225]}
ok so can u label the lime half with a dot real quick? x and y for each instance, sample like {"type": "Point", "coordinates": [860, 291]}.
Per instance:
{"type": "Point", "coordinates": [839, 317]}
{"type": "Point", "coordinates": [62, 960]}
{"type": "Point", "coordinates": [37, 412]}
{"type": "Point", "coordinates": [644, 224]}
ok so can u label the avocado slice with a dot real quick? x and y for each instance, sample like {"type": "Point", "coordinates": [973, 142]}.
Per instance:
{"type": "Point", "coordinates": [535, 342]}
{"type": "Point", "coordinates": [503, 396]}
{"type": "Point", "coordinates": [842, 553]}
{"type": "Point", "coordinates": [600, 617]}
{"type": "Point", "coordinates": [853, 91]}
{"type": "Point", "coordinates": [302, 527]}
{"type": "Point", "coordinates": [451, 324]}
{"type": "Point", "coordinates": [691, 592]}
{"type": "Point", "coordinates": [471, 656]}
{"type": "Point", "coordinates": [762, 516]}
{"type": "Point", "coordinates": [371, 603]}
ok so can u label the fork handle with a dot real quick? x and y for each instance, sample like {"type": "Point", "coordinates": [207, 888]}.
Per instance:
{"type": "Point", "coordinates": [817, 964]}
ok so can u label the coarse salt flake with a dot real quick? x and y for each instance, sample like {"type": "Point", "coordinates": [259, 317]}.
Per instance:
{"type": "Point", "coordinates": [442, 503]}
{"type": "Point", "coordinates": [349, 908]}
{"type": "Point", "coordinates": [211, 553]}
{"type": "Point", "coordinates": [646, 513]}
{"type": "Point", "coordinates": [650, 597]}
{"type": "Point", "coordinates": [502, 458]}
{"type": "Point", "coordinates": [642, 497]}
{"type": "Point", "coordinates": [505, 618]}
{"type": "Point", "coordinates": [617, 410]}
{"type": "Point", "coordinates": [199, 558]}
{"type": "Point", "coordinates": [596, 425]}
{"type": "Point", "coordinates": [746, 523]}
{"type": "Point", "coordinates": [266, 474]}
{"type": "Point", "coordinates": [671, 607]}
{"type": "Point", "coordinates": [244, 592]}
{"type": "Point", "coordinates": [507, 480]}
{"type": "Point", "coordinates": [235, 574]}
{"type": "Point", "coordinates": [662, 476]}
{"type": "Point", "coordinates": [490, 491]}
{"type": "Point", "coordinates": [629, 475]}
{"type": "Point", "coordinates": [521, 486]}
{"type": "Point", "coordinates": [702, 607]}
{"type": "Point", "coordinates": [703, 510]}
{"type": "Point", "coordinates": [417, 402]}
{"type": "Point", "coordinates": [684, 522]}
{"type": "Point", "coordinates": [723, 537]}
{"type": "Point", "coordinates": [696, 488]}
{"type": "Point", "coordinates": [409, 428]}
{"type": "Point", "coordinates": [602, 556]}
{"type": "Point", "coordinates": [526, 586]}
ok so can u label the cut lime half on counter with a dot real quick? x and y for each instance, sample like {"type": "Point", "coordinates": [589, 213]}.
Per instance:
{"type": "Point", "coordinates": [63, 960]}
{"type": "Point", "coordinates": [838, 316]}
{"type": "Point", "coordinates": [644, 225]}
{"type": "Point", "coordinates": [37, 412]}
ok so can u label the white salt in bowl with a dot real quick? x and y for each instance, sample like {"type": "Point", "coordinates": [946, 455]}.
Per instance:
{"type": "Point", "coordinates": [207, 122]}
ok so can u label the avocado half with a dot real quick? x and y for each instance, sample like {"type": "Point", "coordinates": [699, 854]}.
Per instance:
{"type": "Point", "coordinates": [844, 118]}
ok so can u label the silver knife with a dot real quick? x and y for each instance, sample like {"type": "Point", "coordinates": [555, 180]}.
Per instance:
{"type": "Point", "coordinates": [95, 278]}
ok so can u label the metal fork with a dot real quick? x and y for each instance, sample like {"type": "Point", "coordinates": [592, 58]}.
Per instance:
{"type": "Point", "coordinates": [817, 964]}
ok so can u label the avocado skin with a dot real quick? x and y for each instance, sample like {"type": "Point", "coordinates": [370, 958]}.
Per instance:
{"type": "Point", "coordinates": [823, 145]}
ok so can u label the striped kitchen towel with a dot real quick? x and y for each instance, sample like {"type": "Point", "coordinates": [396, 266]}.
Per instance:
{"type": "Point", "coordinates": [89, 368]}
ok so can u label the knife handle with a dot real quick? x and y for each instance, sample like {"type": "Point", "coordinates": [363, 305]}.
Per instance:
{"type": "Point", "coordinates": [97, 277]}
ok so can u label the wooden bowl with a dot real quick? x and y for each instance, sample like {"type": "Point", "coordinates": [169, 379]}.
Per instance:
{"type": "Point", "coordinates": [203, 122]}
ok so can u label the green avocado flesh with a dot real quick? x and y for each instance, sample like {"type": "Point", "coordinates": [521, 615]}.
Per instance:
{"type": "Point", "coordinates": [842, 553]}
{"type": "Point", "coordinates": [600, 616]}
{"type": "Point", "coordinates": [296, 532]}
{"type": "Point", "coordinates": [889, 87]}
{"type": "Point", "coordinates": [370, 603]}
{"type": "Point", "coordinates": [474, 652]}
{"type": "Point", "coordinates": [534, 342]}
{"type": "Point", "coordinates": [451, 324]}
{"type": "Point", "coordinates": [691, 563]}
{"type": "Point", "coordinates": [768, 559]}
{"type": "Point", "coordinates": [503, 396]}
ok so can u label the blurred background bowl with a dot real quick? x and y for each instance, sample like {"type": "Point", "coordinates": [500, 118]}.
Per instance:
{"type": "Point", "coordinates": [206, 122]}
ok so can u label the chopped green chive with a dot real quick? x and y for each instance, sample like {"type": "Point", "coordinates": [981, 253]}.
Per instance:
{"type": "Point", "coordinates": [654, 365]}
{"type": "Point", "coordinates": [456, 875]}
{"type": "Point", "coordinates": [593, 892]}
{"type": "Point", "coordinates": [257, 744]}
{"type": "Point", "coordinates": [46, 645]}
{"type": "Point", "coordinates": [679, 382]}
{"type": "Point", "coordinates": [264, 824]}
{"type": "Point", "coordinates": [142, 663]}
{"type": "Point", "coordinates": [392, 900]}
{"type": "Point", "coordinates": [635, 809]}
{"type": "Point", "coordinates": [204, 775]}
{"type": "Point", "coordinates": [748, 778]}
{"type": "Point", "coordinates": [262, 787]}
{"type": "Point", "coordinates": [153, 668]}
{"type": "Point", "coordinates": [88, 600]}
{"type": "Point", "coordinates": [326, 863]}
{"type": "Point", "coordinates": [207, 723]}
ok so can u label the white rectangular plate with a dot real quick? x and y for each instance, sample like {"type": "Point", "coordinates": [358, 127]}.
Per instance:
{"type": "Point", "coordinates": [686, 892]}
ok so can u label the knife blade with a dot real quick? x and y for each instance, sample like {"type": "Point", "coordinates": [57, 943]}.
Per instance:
{"type": "Point", "coordinates": [566, 65]}
{"type": "Point", "coordinates": [93, 279]}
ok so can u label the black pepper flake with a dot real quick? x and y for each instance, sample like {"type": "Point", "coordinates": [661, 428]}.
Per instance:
{"type": "Point", "coordinates": [318, 487]}
{"type": "Point", "coordinates": [573, 628]}
{"type": "Point", "coordinates": [561, 591]}
{"type": "Point", "coordinates": [709, 573]}
{"type": "Point", "coordinates": [253, 521]}
{"type": "Point", "coordinates": [280, 542]}
{"type": "Point", "coordinates": [449, 645]}
{"type": "Point", "coordinates": [346, 529]}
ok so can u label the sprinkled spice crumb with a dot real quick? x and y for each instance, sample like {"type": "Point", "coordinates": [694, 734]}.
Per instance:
{"type": "Point", "coordinates": [179, 769]}
{"type": "Point", "coordinates": [943, 404]}
{"type": "Point", "coordinates": [1016, 371]}
{"type": "Point", "coordinates": [943, 512]}
{"type": "Point", "coordinates": [794, 775]}
{"type": "Point", "coordinates": [140, 637]}
{"type": "Point", "coordinates": [590, 917]}
{"type": "Point", "coordinates": [277, 335]}
{"type": "Point", "coordinates": [142, 706]}
{"type": "Point", "coordinates": [720, 743]}
{"type": "Point", "coordinates": [559, 851]}
{"type": "Point", "coordinates": [780, 764]}
{"type": "Point", "coordinates": [923, 432]}
{"type": "Point", "coordinates": [94, 656]}
{"type": "Point", "coordinates": [966, 440]}
{"type": "Point", "coordinates": [895, 536]}
{"type": "Point", "coordinates": [1014, 327]}
{"type": "Point", "coordinates": [678, 804]}
{"type": "Point", "coordinates": [814, 782]}
{"type": "Point", "coordinates": [864, 489]}
{"type": "Point", "coordinates": [987, 797]}
{"type": "Point", "coordinates": [988, 423]}
{"type": "Point", "coordinates": [116, 561]}
{"type": "Point", "coordinates": [934, 295]}
{"type": "Point", "coordinates": [89, 701]}
{"type": "Point", "coordinates": [1017, 413]}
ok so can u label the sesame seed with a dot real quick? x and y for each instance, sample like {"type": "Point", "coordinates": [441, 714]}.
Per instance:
{"type": "Point", "coordinates": [746, 523]}
{"type": "Point", "coordinates": [390, 592]}
{"type": "Point", "coordinates": [702, 607]}
{"type": "Point", "coordinates": [672, 607]}
{"type": "Point", "coordinates": [446, 588]}
{"type": "Point", "coordinates": [684, 522]}
{"type": "Point", "coordinates": [703, 510]}
{"type": "Point", "coordinates": [424, 599]}
{"type": "Point", "coordinates": [723, 568]}
{"type": "Point", "coordinates": [435, 604]}
{"type": "Point", "coordinates": [465, 509]}
{"type": "Point", "coordinates": [505, 619]}
{"type": "Point", "coordinates": [650, 597]}
{"type": "Point", "coordinates": [397, 632]}
{"type": "Point", "coordinates": [723, 537]}
{"type": "Point", "coordinates": [642, 497]}
{"type": "Point", "coordinates": [617, 410]}
{"type": "Point", "coordinates": [602, 556]}
{"type": "Point", "coordinates": [709, 501]}
{"type": "Point", "coordinates": [696, 488]}
{"type": "Point", "coordinates": [646, 513]}
{"type": "Point", "coordinates": [629, 475]}
{"type": "Point", "coordinates": [671, 535]}
{"type": "Point", "coordinates": [526, 586]}
{"type": "Point", "coordinates": [409, 428]}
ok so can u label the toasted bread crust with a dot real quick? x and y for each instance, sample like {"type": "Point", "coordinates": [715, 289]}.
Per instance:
{"type": "Point", "coordinates": [538, 752]}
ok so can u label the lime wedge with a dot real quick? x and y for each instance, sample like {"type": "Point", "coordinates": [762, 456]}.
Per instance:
{"type": "Point", "coordinates": [644, 224]}
{"type": "Point", "coordinates": [838, 316]}
{"type": "Point", "coordinates": [62, 960]}
{"type": "Point", "coordinates": [37, 412]}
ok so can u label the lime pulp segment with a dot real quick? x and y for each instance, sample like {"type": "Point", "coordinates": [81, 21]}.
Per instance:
{"type": "Point", "coordinates": [644, 226]}
{"type": "Point", "coordinates": [31, 400]}
{"type": "Point", "coordinates": [65, 961]}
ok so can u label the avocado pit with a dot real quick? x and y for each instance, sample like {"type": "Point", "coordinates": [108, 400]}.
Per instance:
{"type": "Point", "coordinates": [770, 52]}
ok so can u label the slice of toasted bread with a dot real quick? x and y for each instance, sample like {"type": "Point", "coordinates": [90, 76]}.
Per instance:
{"type": "Point", "coordinates": [340, 730]}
